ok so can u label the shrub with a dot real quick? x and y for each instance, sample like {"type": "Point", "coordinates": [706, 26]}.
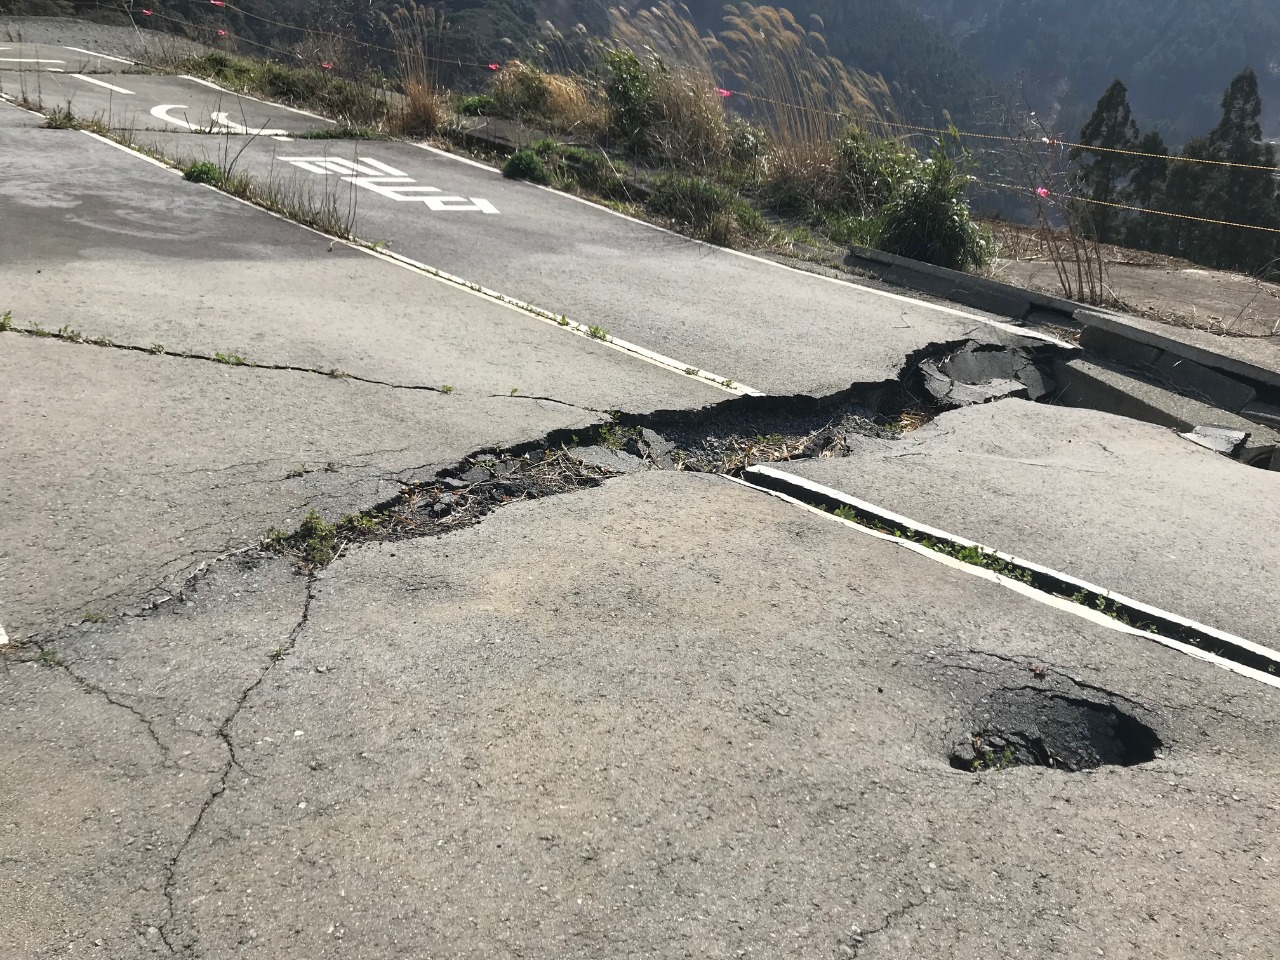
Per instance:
{"type": "Point", "coordinates": [747, 143]}
{"type": "Point", "coordinates": [691, 201]}
{"type": "Point", "coordinates": [871, 169]}
{"type": "Point", "coordinates": [526, 165]}
{"type": "Point", "coordinates": [561, 103]}
{"type": "Point", "coordinates": [519, 90]}
{"type": "Point", "coordinates": [928, 218]}
{"type": "Point", "coordinates": [202, 171]}
{"type": "Point", "coordinates": [631, 99]}
{"type": "Point", "coordinates": [477, 105]}
{"type": "Point", "coordinates": [663, 115]}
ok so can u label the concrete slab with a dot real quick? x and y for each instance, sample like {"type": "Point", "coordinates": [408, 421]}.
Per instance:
{"type": "Point", "coordinates": [114, 247]}
{"type": "Point", "coordinates": [1111, 389]}
{"type": "Point", "coordinates": [672, 716]}
{"type": "Point", "coordinates": [752, 321]}
{"type": "Point", "coordinates": [1128, 506]}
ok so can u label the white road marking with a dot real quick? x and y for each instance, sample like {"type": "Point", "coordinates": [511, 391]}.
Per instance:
{"type": "Point", "coordinates": [28, 60]}
{"type": "Point", "coordinates": [244, 96]}
{"type": "Point", "coordinates": [223, 120]}
{"type": "Point", "coordinates": [161, 112]}
{"type": "Point", "coordinates": [4, 637]}
{"type": "Point", "coordinates": [94, 53]}
{"type": "Point", "coordinates": [102, 83]}
{"type": "Point", "coordinates": [283, 139]}
{"type": "Point", "coordinates": [133, 153]}
{"type": "Point", "coordinates": [387, 181]}
{"type": "Point", "coordinates": [1079, 610]}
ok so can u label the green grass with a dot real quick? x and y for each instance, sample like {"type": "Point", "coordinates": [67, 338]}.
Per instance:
{"type": "Point", "coordinates": [203, 171]}
{"type": "Point", "coordinates": [356, 104]}
{"type": "Point", "coordinates": [232, 359]}
{"type": "Point", "coordinates": [597, 333]}
{"type": "Point", "coordinates": [342, 132]}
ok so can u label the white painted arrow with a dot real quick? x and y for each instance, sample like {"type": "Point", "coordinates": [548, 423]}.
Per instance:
{"type": "Point", "coordinates": [222, 120]}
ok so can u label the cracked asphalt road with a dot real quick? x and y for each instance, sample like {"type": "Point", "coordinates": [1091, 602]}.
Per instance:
{"type": "Point", "coordinates": [666, 716]}
{"type": "Point", "coordinates": [553, 735]}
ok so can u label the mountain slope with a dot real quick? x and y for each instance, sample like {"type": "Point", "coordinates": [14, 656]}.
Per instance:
{"type": "Point", "coordinates": [1176, 56]}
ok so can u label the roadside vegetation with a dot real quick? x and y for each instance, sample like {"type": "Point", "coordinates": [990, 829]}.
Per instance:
{"type": "Point", "coordinates": [801, 156]}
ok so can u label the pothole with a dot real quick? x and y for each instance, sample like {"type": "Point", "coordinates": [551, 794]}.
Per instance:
{"type": "Point", "coordinates": [1034, 728]}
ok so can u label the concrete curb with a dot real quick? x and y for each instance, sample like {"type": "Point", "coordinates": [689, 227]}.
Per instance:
{"type": "Point", "coordinates": [1120, 325]}
{"type": "Point", "coordinates": [980, 293]}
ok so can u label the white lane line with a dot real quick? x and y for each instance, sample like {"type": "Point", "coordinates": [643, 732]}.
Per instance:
{"type": "Point", "coordinates": [951, 311]}
{"type": "Point", "coordinates": [28, 60]}
{"type": "Point", "coordinates": [133, 153]}
{"type": "Point", "coordinates": [94, 53]}
{"type": "Point", "coordinates": [245, 96]}
{"type": "Point", "coordinates": [283, 139]}
{"type": "Point", "coordinates": [1087, 613]}
{"type": "Point", "coordinates": [453, 156]}
{"type": "Point", "coordinates": [102, 83]}
{"type": "Point", "coordinates": [581, 329]}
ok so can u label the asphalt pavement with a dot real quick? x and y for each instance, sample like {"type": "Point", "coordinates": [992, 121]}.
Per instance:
{"type": "Point", "coordinates": [334, 359]}
{"type": "Point", "coordinates": [1128, 505]}
{"type": "Point", "coordinates": [662, 714]}
{"type": "Point", "coordinates": [667, 717]}
{"type": "Point", "coordinates": [771, 328]}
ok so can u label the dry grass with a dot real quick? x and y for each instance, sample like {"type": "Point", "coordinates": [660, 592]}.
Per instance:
{"type": "Point", "coordinates": [419, 35]}
{"type": "Point", "coordinates": [792, 84]}
{"type": "Point", "coordinates": [562, 103]}
{"type": "Point", "coordinates": [423, 111]}
{"type": "Point", "coordinates": [689, 126]}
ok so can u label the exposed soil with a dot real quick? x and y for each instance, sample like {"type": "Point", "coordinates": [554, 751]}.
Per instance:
{"type": "Point", "coordinates": [1152, 285]}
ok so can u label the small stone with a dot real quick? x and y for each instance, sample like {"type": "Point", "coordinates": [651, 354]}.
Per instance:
{"type": "Point", "coordinates": [476, 475]}
{"type": "Point", "coordinates": [655, 444]}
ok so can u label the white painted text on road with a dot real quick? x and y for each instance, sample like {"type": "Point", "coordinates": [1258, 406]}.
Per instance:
{"type": "Point", "coordinates": [387, 181]}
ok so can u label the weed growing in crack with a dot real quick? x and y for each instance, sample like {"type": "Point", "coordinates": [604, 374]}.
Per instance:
{"type": "Point", "coordinates": [6, 321]}
{"type": "Point", "coordinates": [563, 321]}
{"type": "Point", "coordinates": [50, 658]}
{"type": "Point", "coordinates": [597, 333]}
{"type": "Point", "coordinates": [446, 389]}
{"type": "Point", "coordinates": [93, 617]}
{"type": "Point", "coordinates": [157, 348]}
{"type": "Point", "coordinates": [233, 359]}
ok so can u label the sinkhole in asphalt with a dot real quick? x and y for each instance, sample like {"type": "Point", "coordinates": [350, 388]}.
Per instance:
{"type": "Point", "coordinates": [1038, 728]}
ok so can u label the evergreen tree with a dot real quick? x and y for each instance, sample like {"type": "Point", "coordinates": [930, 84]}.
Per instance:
{"type": "Point", "coordinates": [1146, 189]}
{"type": "Point", "coordinates": [1243, 195]}
{"type": "Point", "coordinates": [1100, 173]}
